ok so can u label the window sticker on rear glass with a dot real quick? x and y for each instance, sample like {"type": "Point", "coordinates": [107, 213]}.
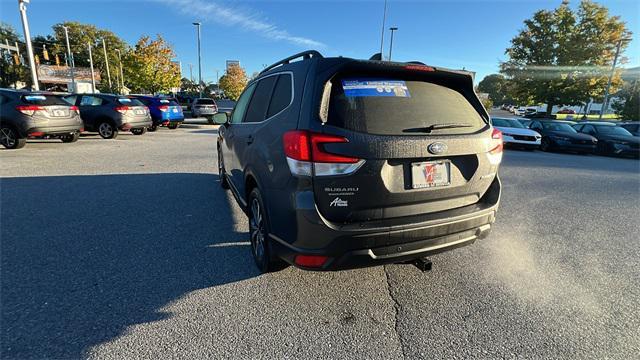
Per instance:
{"type": "Point", "coordinates": [375, 87]}
{"type": "Point", "coordinates": [164, 101]}
{"type": "Point", "coordinates": [124, 100]}
{"type": "Point", "coordinates": [35, 98]}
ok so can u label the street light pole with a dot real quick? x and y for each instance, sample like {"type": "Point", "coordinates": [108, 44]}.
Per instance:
{"type": "Point", "coordinates": [93, 78]}
{"type": "Point", "coordinates": [106, 62]}
{"type": "Point", "coordinates": [384, 20]}
{"type": "Point", "coordinates": [613, 69]}
{"type": "Point", "coordinates": [197, 24]}
{"type": "Point", "coordinates": [70, 56]}
{"type": "Point", "coordinates": [22, 5]}
{"type": "Point", "coordinates": [121, 71]}
{"type": "Point", "coordinates": [393, 29]}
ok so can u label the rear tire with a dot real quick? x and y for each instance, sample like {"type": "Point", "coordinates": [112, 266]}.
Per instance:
{"type": "Point", "coordinates": [71, 138]}
{"type": "Point", "coordinates": [210, 120]}
{"type": "Point", "coordinates": [107, 130]}
{"type": "Point", "coordinates": [259, 234]}
{"type": "Point", "coordinates": [152, 128]}
{"type": "Point", "coordinates": [10, 139]}
{"type": "Point", "coordinates": [173, 126]}
{"type": "Point", "coordinates": [223, 179]}
{"type": "Point", "coordinates": [139, 131]}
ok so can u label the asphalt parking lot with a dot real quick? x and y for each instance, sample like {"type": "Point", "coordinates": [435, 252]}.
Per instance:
{"type": "Point", "coordinates": [129, 249]}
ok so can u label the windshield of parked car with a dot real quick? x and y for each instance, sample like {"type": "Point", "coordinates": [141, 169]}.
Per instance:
{"type": "Point", "coordinates": [612, 130]}
{"type": "Point", "coordinates": [507, 123]}
{"type": "Point", "coordinates": [44, 100]}
{"type": "Point", "coordinates": [555, 126]}
{"type": "Point", "coordinates": [205, 102]}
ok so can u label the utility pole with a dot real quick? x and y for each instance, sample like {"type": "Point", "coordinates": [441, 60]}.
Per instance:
{"type": "Point", "coordinates": [121, 71]}
{"type": "Point", "coordinates": [70, 60]}
{"type": "Point", "coordinates": [93, 78]}
{"type": "Point", "coordinates": [197, 24]}
{"type": "Point", "coordinates": [393, 29]}
{"type": "Point", "coordinates": [217, 77]}
{"type": "Point", "coordinates": [384, 20]}
{"type": "Point", "coordinates": [613, 69]}
{"type": "Point", "coordinates": [22, 5]}
{"type": "Point", "coordinates": [191, 72]}
{"type": "Point", "coordinates": [106, 61]}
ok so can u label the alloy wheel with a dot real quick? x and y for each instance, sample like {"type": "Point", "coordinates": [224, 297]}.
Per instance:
{"type": "Point", "coordinates": [7, 137]}
{"type": "Point", "coordinates": [105, 130]}
{"type": "Point", "coordinates": [256, 228]}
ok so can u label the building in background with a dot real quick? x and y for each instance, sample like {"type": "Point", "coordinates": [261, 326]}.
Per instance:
{"type": "Point", "coordinates": [232, 63]}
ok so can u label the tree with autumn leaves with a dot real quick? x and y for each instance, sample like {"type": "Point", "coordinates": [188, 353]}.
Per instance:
{"type": "Point", "coordinates": [563, 56]}
{"type": "Point", "coordinates": [233, 82]}
{"type": "Point", "coordinates": [148, 66]}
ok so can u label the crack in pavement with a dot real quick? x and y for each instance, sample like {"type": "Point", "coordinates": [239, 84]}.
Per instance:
{"type": "Point", "coordinates": [396, 307]}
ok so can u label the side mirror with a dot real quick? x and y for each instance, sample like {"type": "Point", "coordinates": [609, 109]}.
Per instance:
{"type": "Point", "coordinates": [221, 118]}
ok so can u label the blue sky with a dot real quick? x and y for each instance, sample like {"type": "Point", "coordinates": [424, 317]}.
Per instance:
{"type": "Point", "coordinates": [455, 34]}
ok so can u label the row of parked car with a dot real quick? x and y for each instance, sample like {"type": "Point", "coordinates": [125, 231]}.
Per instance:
{"type": "Point", "coordinates": [25, 115]}
{"type": "Point", "coordinates": [600, 137]}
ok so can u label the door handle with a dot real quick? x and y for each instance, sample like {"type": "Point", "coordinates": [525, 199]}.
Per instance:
{"type": "Point", "coordinates": [249, 139]}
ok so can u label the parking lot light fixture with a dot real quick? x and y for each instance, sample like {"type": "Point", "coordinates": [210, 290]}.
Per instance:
{"type": "Point", "coordinates": [197, 24]}
{"type": "Point", "coordinates": [22, 5]}
{"type": "Point", "coordinates": [393, 30]}
{"type": "Point", "coordinates": [605, 100]}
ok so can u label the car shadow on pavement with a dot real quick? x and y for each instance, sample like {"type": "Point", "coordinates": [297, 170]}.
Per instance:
{"type": "Point", "coordinates": [85, 257]}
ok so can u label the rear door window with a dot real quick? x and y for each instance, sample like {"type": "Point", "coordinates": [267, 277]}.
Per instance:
{"type": "Point", "coordinates": [282, 95]}
{"type": "Point", "coordinates": [241, 105]}
{"type": "Point", "coordinates": [91, 101]}
{"type": "Point", "coordinates": [257, 110]}
{"type": "Point", "coordinates": [385, 106]}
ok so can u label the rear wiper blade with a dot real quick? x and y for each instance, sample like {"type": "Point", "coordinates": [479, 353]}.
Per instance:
{"type": "Point", "coordinates": [430, 128]}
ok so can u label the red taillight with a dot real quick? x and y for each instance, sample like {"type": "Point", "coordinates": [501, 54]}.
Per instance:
{"type": "Point", "coordinates": [308, 146]}
{"type": "Point", "coordinates": [123, 109]}
{"type": "Point", "coordinates": [36, 133]}
{"type": "Point", "coordinates": [419, 67]}
{"type": "Point", "coordinates": [163, 108]}
{"type": "Point", "coordinates": [311, 261]}
{"type": "Point", "coordinates": [74, 108]}
{"type": "Point", "coordinates": [29, 109]}
{"type": "Point", "coordinates": [496, 135]}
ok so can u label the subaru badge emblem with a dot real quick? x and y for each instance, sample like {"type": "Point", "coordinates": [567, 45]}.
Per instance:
{"type": "Point", "coordinates": [437, 148]}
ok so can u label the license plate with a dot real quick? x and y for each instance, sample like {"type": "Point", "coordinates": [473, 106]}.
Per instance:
{"type": "Point", "coordinates": [430, 174]}
{"type": "Point", "coordinates": [138, 112]}
{"type": "Point", "coordinates": [58, 113]}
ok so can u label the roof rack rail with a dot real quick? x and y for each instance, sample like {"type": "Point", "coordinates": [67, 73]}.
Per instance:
{"type": "Point", "coordinates": [305, 55]}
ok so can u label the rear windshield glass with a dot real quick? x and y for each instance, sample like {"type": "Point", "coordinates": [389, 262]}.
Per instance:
{"type": "Point", "coordinates": [170, 102]}
{"type": "Point", "coordinates": [130, 102]}
{"type": "Point", "coordinates": [206, 101]}
{"type": "Point", "coordinates": [399, 107]}
{"type": "Point", "coordinates": [39, 99]}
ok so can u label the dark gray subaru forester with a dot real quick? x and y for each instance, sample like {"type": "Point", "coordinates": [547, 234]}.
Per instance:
{"type": "Point", "coordinates": [342, 163]}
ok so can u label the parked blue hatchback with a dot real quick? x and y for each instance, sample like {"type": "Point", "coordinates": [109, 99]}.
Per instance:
{"type": "Point", "coordinates": [165, 111]}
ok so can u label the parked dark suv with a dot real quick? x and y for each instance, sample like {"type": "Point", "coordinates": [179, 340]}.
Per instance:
{"type": "Point", "coordinates": [107, 114]}
{"type": "Point", "coordinates": [36, 115]}
{"type": "Point", "coordinates": [343, 163]}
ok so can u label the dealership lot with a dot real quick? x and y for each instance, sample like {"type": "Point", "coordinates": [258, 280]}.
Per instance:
{"type": "Point", "coordinates": [129, 249]}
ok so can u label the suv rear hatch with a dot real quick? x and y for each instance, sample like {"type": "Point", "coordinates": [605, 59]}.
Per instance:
{"type": "Point", "coordinates": [418, 138]}
{"type": "Point", "coordinates": [49, 106]}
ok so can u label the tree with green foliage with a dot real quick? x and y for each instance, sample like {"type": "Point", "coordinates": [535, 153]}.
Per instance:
{"type": "Point", "coordinates": [149, 67]}
{"type": "Point", "coordinates": [10, 72]}
{"type": "Point", "coordinates": [562, 56]}
{"type": "Point", "coordinates": [80, 35]}
{"type": "Point", "coordinates": [233, 82]}
{"type": "Point", "coordinates": [628, 106]}
{"type": "Point", "coordinates": [496, 86]}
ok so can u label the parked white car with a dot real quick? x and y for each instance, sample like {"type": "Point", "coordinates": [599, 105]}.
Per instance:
{"type": "Point", "coordinates": [515, 134]}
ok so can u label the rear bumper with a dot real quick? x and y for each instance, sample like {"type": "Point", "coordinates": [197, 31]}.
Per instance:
{"type": "Point", "coordinates": [53, 130]}
{"type": "Point", "coordinates": [358, 245]}
{"type": "Point", "coordinates": [135, 124]}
